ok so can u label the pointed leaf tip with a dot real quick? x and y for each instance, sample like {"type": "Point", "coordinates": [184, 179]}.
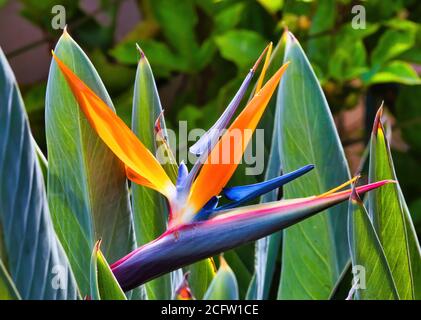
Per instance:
{"type": "Point", "coordinates": [378, 120]}
{"type": "Point", "coordinates": [139, 49]}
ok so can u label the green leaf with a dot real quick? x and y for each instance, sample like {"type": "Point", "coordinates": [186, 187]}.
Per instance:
{"type": "Point", "coordinates": [344, 66]}
{"type": "Point", "coordinates": [8, 289]}
{"type": "Point", "coordinates": [224, 286]}
{"type": "Point", "coordinates": [392, 220]}
{"type": "Point", "coordinates": [407, 113]}
{"type": "Point", "coordinates": [241, 47]}
{"type": "Point", "coordinates": [229, 17]}
{"type": "Point", "coordinates": [104, 285]}
{"type": "Point", "coordinates": [178, 20]}
{"type": "Point", "coordinates": [150, 210]}
{"type": "Point", "coordinates": [29, 248]}
{"type": "Point", "coordinates": [395, 71]}
{"type": "Point", "coordinates": [87, 185]}
{"type": "Point", "coordinates": [272, 6]}
{"type": "Point", "coordinates": [412, 55]}
{"type": "Point", "coordinates": [314, 251]}
{"type": "Point", "coordinates": [236, 260]}
{"type": "Point", "coordinates": [367, 255]}
{"type": "Point", "coordinates": [201, 275]}
{"type": "Point", "coordinates": [391, 44]}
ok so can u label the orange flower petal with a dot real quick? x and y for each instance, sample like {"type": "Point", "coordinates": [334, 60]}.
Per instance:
{"type": "Point", "coordinates": [141, 166]}
{"type": "Point", "coordinates": [225, 156]}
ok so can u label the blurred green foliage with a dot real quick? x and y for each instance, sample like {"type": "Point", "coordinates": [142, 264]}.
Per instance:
{"type": "Point", "coordinates": [200, 50]}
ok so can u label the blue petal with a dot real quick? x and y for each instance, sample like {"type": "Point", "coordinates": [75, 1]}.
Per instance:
{"type": "Point", "coordinates": [206, 143]}
{"type": "Point", "coordinates": [242, 194]}
{"type": "Point", "coordinates": [182, 175]}
{"type": "Point", "coordinates": [207, 209]}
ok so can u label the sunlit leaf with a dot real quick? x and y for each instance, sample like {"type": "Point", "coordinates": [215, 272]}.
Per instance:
{"type": "Point", "coordinates": [371, 269]}
{"type": "Point", "coordinates": [315, 251]}
{"type": "Point", "coordinates": [392, 220]}
{"type": "Point", "coordinates": [241, 46]}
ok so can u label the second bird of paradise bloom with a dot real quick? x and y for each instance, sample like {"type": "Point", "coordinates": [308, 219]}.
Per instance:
{"type": "Point", "coordinates": [197, 227]}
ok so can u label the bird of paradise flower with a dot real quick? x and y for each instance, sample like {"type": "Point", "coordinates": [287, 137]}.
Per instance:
{"type": "Point", "coordinates": [197, 227]}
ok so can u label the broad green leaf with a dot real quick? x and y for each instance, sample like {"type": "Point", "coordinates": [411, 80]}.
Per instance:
{"type": "Point", "coordinates": [29, 248]}
{"type": "Point", "coordinates": [150, 210]}
{"type": "Point", "coordinates": [345, 66]}
{"type": "Point", "coordinates": [412, 55]}
{"type": "Point", "coordinates": [229, 17]}
{"type": "Point", "coordinates": [367, 255]}
{"type": "Point", "coordinates": [104, 285]}
{"type": "Point", "coordinates": [178, 20]}
{"type": "Point", "coordinates": [314, 251]}
{"type": "Point", "coordinates": [224, 286]}
{"type": "Point", "coordinates": [395, 71]}
{"type": "Point", "coordinates": [392, 220]}
{"type": "Point", "coordinates": [8, 289]}
{"type": "Point", "coordinates": [272, 6]}
{"type": "Point", "coordinates": [391, 44]}
{"type": "Point", "coordinates": [241, 47]}
{"type": "Point", "coordinates": [87, 188]}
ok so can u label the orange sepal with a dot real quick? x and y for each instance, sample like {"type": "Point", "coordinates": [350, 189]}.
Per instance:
{"type": "Point", "coordinates": [141, 165]}
{"type": "Point", "coordinates": [218, 168]}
